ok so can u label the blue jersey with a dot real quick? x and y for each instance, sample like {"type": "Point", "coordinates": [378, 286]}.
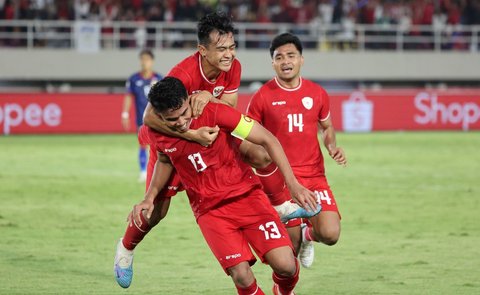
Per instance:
{"type": "Point", "coordinates": [139, 86]}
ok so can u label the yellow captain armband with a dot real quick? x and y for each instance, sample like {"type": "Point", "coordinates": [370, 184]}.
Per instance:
{"type": "Point", "coordinates": [243, 127]}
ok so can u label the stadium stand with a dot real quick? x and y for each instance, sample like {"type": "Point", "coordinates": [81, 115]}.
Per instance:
{"type": "Point", "coordinates": [339, 24]}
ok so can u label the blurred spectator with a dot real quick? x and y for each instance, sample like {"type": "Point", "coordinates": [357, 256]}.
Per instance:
{"type": "Point", "coordinates": [391, 15]}
{"type": "Point", "coordinates": [82, 9]}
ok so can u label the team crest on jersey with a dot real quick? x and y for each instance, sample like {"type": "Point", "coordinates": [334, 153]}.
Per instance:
{"type": "Point", "coordinates": [307, 102]}
{"type": "Point", "coordinates": [217, 90]}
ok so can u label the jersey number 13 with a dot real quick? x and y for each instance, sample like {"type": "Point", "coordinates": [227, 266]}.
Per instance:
{"type": "Point", "coordinates": [197, 162]}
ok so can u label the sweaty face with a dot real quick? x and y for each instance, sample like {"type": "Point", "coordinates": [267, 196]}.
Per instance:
{"type": "Point", "coordinates": [146, 62]}
{"type": "Point", "coordinates": [220, 53]}
{"type": "Point", "coordinates": [287, 62]}
{"type": "Point", "coordinates": [178, 120]}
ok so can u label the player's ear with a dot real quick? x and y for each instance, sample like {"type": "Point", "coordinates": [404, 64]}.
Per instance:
{"type": "Point", "coordinates": [301, 60]}
{"type": "Point", "coordinates": [202, 49]}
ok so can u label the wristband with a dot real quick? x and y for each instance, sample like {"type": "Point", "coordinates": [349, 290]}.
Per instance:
{"type": "Point", "coordinates": [125, 115]}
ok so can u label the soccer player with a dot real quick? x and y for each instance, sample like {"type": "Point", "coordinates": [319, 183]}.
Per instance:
{"type": "Point", "coordinates": [212, 74]}
{"type": "Point", "coordinates": [231, 210]}
{"type": "Point", "coordinates": [293, 109]}
{"type": "Point", "coordinates": [138, 86]}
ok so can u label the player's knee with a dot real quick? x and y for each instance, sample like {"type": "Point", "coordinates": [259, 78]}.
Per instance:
{"type": "Point", "coordinates": [329, 236]}
{"type": "Point", "coordinates": [285, 267]}
{"type": "Point", "coordinates": [241, 275]}
{"type": "Point", "coordinates": [288, 268]}
{"type": "Point", "coordinates": [330, 241]}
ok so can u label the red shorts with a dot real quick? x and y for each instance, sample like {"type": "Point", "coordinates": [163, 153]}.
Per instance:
{"type": "Point", "coordinates": [320, 186]}
{"type": "Point", "coordinates": [173, 185]}
{"type": "Point", "coordinates": [231, 229]}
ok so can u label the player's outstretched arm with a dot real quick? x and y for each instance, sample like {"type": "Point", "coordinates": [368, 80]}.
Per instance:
{"type": "Point", "coordinates": [204, 135]}
{"type": "Point", "coordinates": [330, 142]}
{"type": "Point", "coordinates": [199, 100]}
{"type": "Point", "coordinates": [261, 136]}
{"type": "Point", "coordinates": [161, 174]}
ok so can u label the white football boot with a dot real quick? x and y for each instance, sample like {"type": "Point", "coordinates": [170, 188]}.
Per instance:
{"type": "Point", "coordinates": [123, 265]}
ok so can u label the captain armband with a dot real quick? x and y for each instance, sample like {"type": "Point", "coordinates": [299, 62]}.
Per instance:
{"type": "Point", "coordinates": [244, 127]}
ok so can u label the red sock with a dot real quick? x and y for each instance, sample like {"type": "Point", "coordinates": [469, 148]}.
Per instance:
{"type": "Point", "coordinates": [253, 289]}
{"type": "Point", "coordinates": [273, 184]}
{"type": "Point", "coordinates": [309, 234]}
{"type": "Point", "coordinates": [287, 284]}
{"type": "Point", "coordinates": [135, 234]}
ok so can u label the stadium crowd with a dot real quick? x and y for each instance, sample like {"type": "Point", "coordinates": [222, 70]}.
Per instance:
{"type": "Point", "coordinates": [424, 12]}
{"type": "Point", "coordinates": [344, 13]}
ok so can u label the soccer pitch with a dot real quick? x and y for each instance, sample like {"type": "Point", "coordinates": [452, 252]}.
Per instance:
{"type": "Point", "coordinates": [410, 204]}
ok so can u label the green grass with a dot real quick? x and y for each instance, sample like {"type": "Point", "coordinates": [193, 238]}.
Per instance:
{"type": "Point", "coordinates": [410, 204]}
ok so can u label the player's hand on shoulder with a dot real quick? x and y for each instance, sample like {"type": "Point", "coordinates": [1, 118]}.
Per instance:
{"type": "Point", "coordinates": [206, 135]}
{"type": "Point", "coordinates": [303, 197]}
{"type": "Point", "coordinates": [338, 154]}
{"type": "Point", "coordinates": [198, 101]}
{"type": "Point", "coordinates": [138, 209]}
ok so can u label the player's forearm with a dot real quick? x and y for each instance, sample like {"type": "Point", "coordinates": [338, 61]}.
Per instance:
{"type": "Point", "coordinates": [329, 138]}
{"type": "Point", "coordinates": [276, 152]}
{"type": "Point", "coordinates": [160, 177]}
{"type": "Point", "coordinates": [225, 102]}
{"type": "Point", "coordinates": [216, 100]}
{"type": "Point", "coordinates": [127, 103]}
{"type": "Point", "coordinates": [261, 136]}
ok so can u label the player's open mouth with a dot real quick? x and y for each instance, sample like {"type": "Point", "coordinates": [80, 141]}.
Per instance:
{"type": "Point", "coordinates": [226, 63]}
{"type": "Point", "coordinates": [184, 127]}
{"type": "Point", "coordinates": [287, 70]}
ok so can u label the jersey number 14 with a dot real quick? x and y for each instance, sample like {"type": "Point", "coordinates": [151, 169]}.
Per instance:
{"type": "Point", "coordinates": [295, 121]}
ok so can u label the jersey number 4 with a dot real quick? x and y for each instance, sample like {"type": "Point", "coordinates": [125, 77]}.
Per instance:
{"type": "Point", "coordinates": [197, 162]}
{"type": "Point", "coordinates": [295, 121]}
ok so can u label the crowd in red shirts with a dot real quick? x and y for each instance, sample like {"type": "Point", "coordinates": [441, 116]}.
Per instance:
{"type": "Point", "coordinates": [345, 13]}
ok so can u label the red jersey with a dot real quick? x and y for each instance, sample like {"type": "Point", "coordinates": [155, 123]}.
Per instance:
{"type": "Point", "coordinates": [292, 115]}
{"type": "Point", "coordinates": [190, 72]}
{"type": "Point", "coordinates": [211, 174]}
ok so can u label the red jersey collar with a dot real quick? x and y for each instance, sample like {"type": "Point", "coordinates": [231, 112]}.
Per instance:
{"type": "Point", "coordinates": [289, 89]}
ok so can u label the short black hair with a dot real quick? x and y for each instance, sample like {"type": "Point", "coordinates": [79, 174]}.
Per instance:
{"type": "Point", "coordinates": [146, 52]}
{"type": "Point", "coordinates": [285, 38]}
{"type": "Point", "coordinates": [167, 94]}
{"type": "Point", "coordinates": [215, 21]}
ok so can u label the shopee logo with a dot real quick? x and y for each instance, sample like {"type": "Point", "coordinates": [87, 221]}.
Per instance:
{"type": "Point", "coordinates": [433, 111]}
{"type": "Point", "coordinates": [12, 115]}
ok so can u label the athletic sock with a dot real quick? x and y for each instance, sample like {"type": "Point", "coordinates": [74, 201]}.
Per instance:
{"type": "Point", "coordinates": [135, 234]}
{"type": "Point", "coordinates": [308, 234]}
{"type": "Point", "coordinates": [253, 289]}
{"type": "Point", "coordinates": [273, 184]}
{"type": "Point", "coordinates": [142, 158]}
{"type": "Point", "coordinates": [287, 284]}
